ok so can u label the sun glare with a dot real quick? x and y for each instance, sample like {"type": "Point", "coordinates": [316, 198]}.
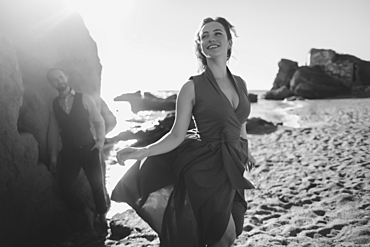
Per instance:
{"type": "Point", "coordinates": [76, 5]}
{"type": "Point", "coordinates": [84, 7]}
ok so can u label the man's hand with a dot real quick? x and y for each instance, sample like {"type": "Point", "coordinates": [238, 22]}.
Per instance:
{"type": "Point", "coordinates": [98, 145]}
{"type": "Point", "coordinates": [53, 166]}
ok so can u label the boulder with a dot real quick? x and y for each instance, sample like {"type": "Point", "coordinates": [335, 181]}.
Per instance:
{"type": "Point", "coordinates": [29, 204]}
{"type": "Point", "coordinates": [253, 98]}
{"type": "Point", "coordinates": [150, 102]}
{"type": "Point", "coordinates": [285, 73]}
{"type": "Point", "coordinates": [327, 75]}
{"type": "Point", "coordinates": [314, 83]}
{"type": "Point", "coordinates": [279, 93]}
{"type": "Point", "coordinates": [147, 102]}
{"type": "Point", "coordinates": [47, 34]}
{"type": "Point", "coordinates": [151, 133]}
{"type": "Point", "coordinates": [294, 98]}
{"type": "Point", "coordinates": [34, 37]}
{"type": "Point", "coordinates": [259, 126]}
{"type": "Point", "coordinates": [130, 224]}
{"type": "Point", "coordinates": [156, 132]}
{"type": "Point", "coordinates": [350, 70]}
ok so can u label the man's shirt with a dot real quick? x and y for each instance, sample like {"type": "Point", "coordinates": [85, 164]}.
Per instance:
{"type": "Point", "coordinates": [97, 125]}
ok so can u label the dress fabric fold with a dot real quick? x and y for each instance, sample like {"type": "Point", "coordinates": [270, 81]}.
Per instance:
{"type": "Point", "coordinates": [188, 194]}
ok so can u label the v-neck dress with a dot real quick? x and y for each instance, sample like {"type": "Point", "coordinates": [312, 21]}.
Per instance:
{"type": "Point", "coordinates": [188, 194]}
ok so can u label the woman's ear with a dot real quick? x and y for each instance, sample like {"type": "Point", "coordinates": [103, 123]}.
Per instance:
{"type": "Point", "coordinates": [230, 44]}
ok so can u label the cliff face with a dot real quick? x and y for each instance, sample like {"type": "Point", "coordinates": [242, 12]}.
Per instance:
{"type": "Point", "coordinates": [36, 36]}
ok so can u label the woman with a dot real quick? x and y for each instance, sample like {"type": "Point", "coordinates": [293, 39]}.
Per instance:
{"type": "Point", "coordinates": [191, 189]}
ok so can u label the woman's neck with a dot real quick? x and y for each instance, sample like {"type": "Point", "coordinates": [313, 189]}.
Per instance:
{"type": "Point", "coordinates": [218, 68]}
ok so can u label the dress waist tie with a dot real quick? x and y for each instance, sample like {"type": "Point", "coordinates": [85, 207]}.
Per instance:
{"type": "Point", "coordinates": [233, 165]}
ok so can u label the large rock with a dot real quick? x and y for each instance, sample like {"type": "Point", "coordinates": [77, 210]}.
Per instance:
{"type": "Point", "coordinates": [279, 93]}
{"type": "Point", "coordinates": [34, 37]}
{"type": "Point", "coordinates": [147, 102]}
{"type": "Point", "coordinates": [47, 34]}
{"type": "Point", "coordinates": [29, 205]}
{"type": "Point", "coordinates": [285, 73]}
{"type": "Point", "coordinates": [314, 83]}
{"type": "Point", "coordinates": [326, 75]}
{"type": "Point", "coordinates": [253, 98]}
{"type": "Point", "coordinates": [350, 70]}
{"type": "Point", "coordinates": [157, 131]}
{"type": "Point", "coordinates": [150, 102]}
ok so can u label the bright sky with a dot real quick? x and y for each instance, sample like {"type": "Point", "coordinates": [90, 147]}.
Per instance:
{"type": "Point", "coordinates": [149, 44]}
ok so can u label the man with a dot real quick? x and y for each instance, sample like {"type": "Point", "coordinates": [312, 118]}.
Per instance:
{"type": "Point", "coordinates": [75, 117]}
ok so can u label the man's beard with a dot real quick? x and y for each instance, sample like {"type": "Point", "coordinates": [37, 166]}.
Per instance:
{"type": "Point", "coordinates": [62, 87]}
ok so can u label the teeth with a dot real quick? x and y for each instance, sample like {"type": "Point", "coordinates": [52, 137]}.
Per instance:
{"type": "Point", "coordinates": [212, 46]}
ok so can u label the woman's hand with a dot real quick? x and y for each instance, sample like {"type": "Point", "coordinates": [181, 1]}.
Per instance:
{"type": "Point", "coordinates": [251, 162]}
{"type": "Point", "coordinates": [130, 153]}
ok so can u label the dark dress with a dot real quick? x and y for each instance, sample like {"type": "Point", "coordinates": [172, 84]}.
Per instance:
{"type": "Point", "coordinates": [188, 194]}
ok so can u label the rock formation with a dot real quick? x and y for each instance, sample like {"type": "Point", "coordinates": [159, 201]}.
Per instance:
{"type": "Point", "coordinates": [148, 101]}
{"type": "Point", "coordinates": [285, 73]}
{"type": "Point", "coordinates": [155, 132]}
{"type": "Point", "coordinates": [314, 83]}
{"type": "Point", "coordinates": [34, 37]}
{"type": "Point", "coordinates": [327, 75]}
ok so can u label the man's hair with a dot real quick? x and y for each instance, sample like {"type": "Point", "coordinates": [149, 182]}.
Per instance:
{"type": "Point", "coordinates": [54, 69]}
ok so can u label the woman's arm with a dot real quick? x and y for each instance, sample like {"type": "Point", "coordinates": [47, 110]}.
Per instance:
{"type": "Point", "coordinates": [243, 131]}
{"type": "Point", "coordinates": [175, 136]}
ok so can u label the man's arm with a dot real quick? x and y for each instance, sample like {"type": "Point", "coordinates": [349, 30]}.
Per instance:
{"type": "Point", "coordinates": [96, 119]}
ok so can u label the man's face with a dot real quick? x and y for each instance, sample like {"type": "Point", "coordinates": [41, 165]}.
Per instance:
{"type": "Point", "coordinates": [58, 80]}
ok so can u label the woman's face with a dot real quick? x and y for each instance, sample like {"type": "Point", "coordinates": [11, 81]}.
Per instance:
{"type": "Point", "coordinates": [213, 40]}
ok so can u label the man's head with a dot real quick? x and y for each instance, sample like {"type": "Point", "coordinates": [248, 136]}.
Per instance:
{"type": "Point", "coordinates": [58, 79]}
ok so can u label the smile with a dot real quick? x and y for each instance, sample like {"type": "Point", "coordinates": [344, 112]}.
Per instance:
{"type": "Point", "coordinates": [213, 46]}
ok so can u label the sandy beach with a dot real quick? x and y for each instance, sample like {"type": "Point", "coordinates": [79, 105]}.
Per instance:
{"type": "Point", "coordinates": [312, 184]}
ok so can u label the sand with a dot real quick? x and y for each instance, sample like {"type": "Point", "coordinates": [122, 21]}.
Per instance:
{"type": "Point", "coordinates": [312, 184]}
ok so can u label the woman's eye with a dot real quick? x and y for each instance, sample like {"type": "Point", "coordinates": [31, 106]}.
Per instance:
{"type": "Point", "coordinates": [218, 33]}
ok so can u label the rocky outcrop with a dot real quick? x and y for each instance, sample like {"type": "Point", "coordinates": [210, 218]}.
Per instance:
{"type": "Point", "coordinates": [281, 86]}
{"type": "Point", "coordinates": [314, 83]}
{"type": "Point", "coordinates": [253, 98]}
{"type": "Point", "coordinates": [350, 70]}
{"type": "Point", "coordinates": [28, 200]}
{"type": "Point", "coordinates": [34, 37]}
{"type": "Point", "coordinates": [148, 102]}
{"type": "Point", "coordinates": [326, 75]}
{"type": "Point", "coordinates": [157, 131]}
{"type": "Point", "coordinates": [285, 73]}
{"type": "Point", "coordinates": [151, 133]}
{"type": "Point", "coordinates": [279, 93]}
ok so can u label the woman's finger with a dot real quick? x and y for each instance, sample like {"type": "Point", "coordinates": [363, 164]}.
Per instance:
{"type": "Point", "coordinates": [250, 165]}
{"type": "Point", "coordinates": [121, 158]}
